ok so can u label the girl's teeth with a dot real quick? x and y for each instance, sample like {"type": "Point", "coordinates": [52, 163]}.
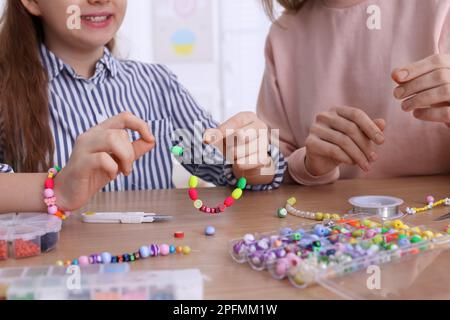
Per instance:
{"type": "Point", "coordinates": [97, 19]}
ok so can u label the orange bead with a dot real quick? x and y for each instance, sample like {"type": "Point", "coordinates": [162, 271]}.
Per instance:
{"type": "Point", "coordinates": [179, 249]}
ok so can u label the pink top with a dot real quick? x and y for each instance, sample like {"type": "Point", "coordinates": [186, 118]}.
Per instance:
{"type": "Point", "coordinates": [325, 56]}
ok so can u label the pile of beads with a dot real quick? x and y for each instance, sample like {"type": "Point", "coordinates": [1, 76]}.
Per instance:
{"type": "Point", "coordinates": [25, 249]}
{"type": "Point", "coordinates": [431, 204]}
{"type": "Point", "coordinates": [198, 204]}
{"type": "Point", "coordinates": [144, 252]}
{"type": "Point", "coordinates": [301, 254]}
{"type": "Point", "coordinates": [318, 216]}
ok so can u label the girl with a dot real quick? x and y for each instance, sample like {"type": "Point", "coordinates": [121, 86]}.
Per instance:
{"type": "Point", "coordinates": [328, 87]}
{"type": "Point", "coordinates": [91, 167]}
{"type": "Point", "coordinates": [60, 79]}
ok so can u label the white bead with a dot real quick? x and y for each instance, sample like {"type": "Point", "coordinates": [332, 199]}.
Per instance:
{"type": "Point", "coordinates": [447, 201]}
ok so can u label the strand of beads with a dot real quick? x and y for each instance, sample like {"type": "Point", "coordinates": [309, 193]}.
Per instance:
{"type": "Point", "coordinates": [318, 216]}
{"type": "Point", "coordinates": [144, 252]}
{"type": "Point", "coordinates": [198, 204]}
{"type": "Point", "coordinates": [431, 205]}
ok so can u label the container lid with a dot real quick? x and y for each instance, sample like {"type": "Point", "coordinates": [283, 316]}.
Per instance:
{"type": "Point", "coordinates": [27, 225]}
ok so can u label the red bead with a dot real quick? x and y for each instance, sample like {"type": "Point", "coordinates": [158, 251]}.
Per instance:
{"type": "Point", "coordinates": [222, 208]}
{"type": "Point", "coordinates": [49, 184]}
{"type": "Point", "coordinates": [213, 210]}
{"type": "Point", "coordinates": [228, 202]}
{"type": "Point", "coordinates": [193, 194]}
{"type": "Point", "coordinates": [203, 208]}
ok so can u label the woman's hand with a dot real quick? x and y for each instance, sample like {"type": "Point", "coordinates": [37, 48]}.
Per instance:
{"type": "Point", "coordinates": [99, 155]}
{"type": "Point", "coordinates": [249, 155]}
{"type": "Point", "coordinates": [343, 135]}
{"type": "Point", "coordinates": [424, 87]}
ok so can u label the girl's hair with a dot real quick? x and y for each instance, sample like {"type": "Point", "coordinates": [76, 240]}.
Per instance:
{"type": "Point", "coordinates": [24, 98]}
{"type": "Point", "coordinates": [288, 5]}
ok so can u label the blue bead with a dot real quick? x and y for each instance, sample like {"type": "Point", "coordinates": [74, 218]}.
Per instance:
{"type": "Point", "coordinates": [172, 249]}
{"type": "Point", "coordinates": [285, 232]}
{"type": "Point", "coordinates": [210, 231]}
{"type": "Point", "coordinates": [75, 262]}
{"type": "Point", "coordinates": [106, 257]}
{"type": "Point", "coordinates": [404, 242]}
{"type": "Point", "coordinates": [144, 251]}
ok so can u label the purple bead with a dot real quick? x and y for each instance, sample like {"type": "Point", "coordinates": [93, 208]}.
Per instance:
{"type": "Point", "coordinates": [237, 248]}
{"type": "Point", "coordinates": [280, 253]}
{"type": "Point", "coordinates": [154, 250]}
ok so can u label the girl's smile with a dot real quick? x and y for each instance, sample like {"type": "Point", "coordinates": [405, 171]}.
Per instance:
{"type": "Point", "coordinates": [97, 20]}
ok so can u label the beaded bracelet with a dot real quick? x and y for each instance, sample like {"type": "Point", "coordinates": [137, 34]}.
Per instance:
{"type": "Point", "coordinates": [144, 252]}
{"type": "Point", "coordinates": [431, 204]}
{"type": "Point", "coordinates": [49, 194]}
{"type": "Point", "coordinates": [198, 204]}
{"type": "Point", "coordinates": [318, 216]}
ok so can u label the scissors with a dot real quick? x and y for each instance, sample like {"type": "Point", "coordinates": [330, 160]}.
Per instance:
{"type": "Point", "coordinates": [444, 217]}
{"type": "Point", "coordinates": [123, 217]}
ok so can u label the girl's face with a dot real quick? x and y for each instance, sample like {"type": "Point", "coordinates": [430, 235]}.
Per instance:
{"type": "Point", "coordinates": [83, 24]}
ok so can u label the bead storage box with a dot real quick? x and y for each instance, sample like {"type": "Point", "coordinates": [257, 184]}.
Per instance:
{"type": "Point", "coordinates": [10, 276]}
{"type": "Point", "coordinates": [329, 250]}
{"type": "Point", "coordinates": [27, 235]}
{"type": "Point", "coordinates": [145, 285]}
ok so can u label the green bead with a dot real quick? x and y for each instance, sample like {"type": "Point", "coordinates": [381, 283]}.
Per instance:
{"type": "Point", "coordinates": [377, 239]}
{"type": "Point", "coordinates": [384, 230]}
{"type": "Point", "coordinates": [177, 151]}
{"type": "Point", "coordinates": [282, 213]}
{"type": "Point", "coordinates": [242, 183]}
{"type": "Point", "coordinates": [296, 236]}
{"type": "Point", "coordinates": [58, 168]}
{"type": "Point", "coordinates": [448, 230]}
{"type": "Point", "coordinates": [132, 258]}
{"type": "Point", "coordinates": [415, 239]}
{"type": "Point", "coordinates": [193, 182]}
{"type": "Point", "coordinates": [358, 233]}
{"type": "Point", "coordinates": [402, 236]}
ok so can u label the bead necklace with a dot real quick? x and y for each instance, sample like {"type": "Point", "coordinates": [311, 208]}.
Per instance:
{"type": "Point", "coordinates": [144, 252]}
{"type": "Point", "coordinates": [431, 205]}
{"type": "Point", "coordinates": [318, 216]}
{"type": "Point", "coordinates": [178, 151]}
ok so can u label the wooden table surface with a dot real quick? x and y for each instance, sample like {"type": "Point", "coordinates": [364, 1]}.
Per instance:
{"type": "Point", "coordinates": [226, 279]}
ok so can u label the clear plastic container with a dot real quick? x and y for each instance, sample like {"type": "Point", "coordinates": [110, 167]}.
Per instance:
{"type": "Point", "coordinates": [326, 252]}
{"type": "Point", "coordinates": [28, 234]}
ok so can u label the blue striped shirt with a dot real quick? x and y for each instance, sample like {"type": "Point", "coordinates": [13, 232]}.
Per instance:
{"type": "Point", "coordinates": [152, 93]}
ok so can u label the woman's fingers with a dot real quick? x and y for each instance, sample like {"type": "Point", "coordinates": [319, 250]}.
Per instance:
{"type": "Point", "coordinates": [419, 68]}
{"type": "Point", "coordinates": [434, 79]}
{"type": "Point", "coordinates": [344, 142]}
{"type": "Point", "coordinates": [427, 98]}
{"type": "Point", "coordinates": [126, 120]}
{"type": "Point", "coordinates": [351, 130]}
{"type": "Point", "coordinates": [363, 121]}
{"type": "Point", "coordinates": [434, 114]}
{"type": "Point", "coordinates": [103, 162]}
{"type": "Point", "coordinates": [318, 147]}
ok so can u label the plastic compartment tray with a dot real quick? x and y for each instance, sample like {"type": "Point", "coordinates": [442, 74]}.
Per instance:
{"type": "Point", "coordinates": [310, 259]}
{"type": "Point", "coordinates": [145, 285]}
{"type": "Point", "coordinates": [26, 235]}
{"type": "Point", "coordinates": [9, 276]}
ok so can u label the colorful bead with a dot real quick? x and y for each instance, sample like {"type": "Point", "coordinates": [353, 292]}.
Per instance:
{"type": "Point", "coordinates": [179, 249]}
{"type": "Point", "coordinates": [154, 250]}
{"type": "Point", "coordinates": [186, 250]}
{"type": "Point", "coordinates": [83, 261]}
{"type": "Point", "coordinates": [145, 252]}
{"type": "Point", "coordinates": [292, 201]}
{"type": "Point", "coordinates": [242, 183]}
{"type": "Point", "coordinates": [179, 235]}
{"type": "Point", "coordinates": [210, 231]}
{"type": "Point", "coordinates": [198, 204]}
{"type": "Point", "coordinates": [177, 151]}
{"type": "Point", "coordinates": [106, 257]}
{"type": "Point", "coordinates": [172, 249]}
{"type": "Point", "coordinates": [237, 194]}
{"type": "Point", "coordinates": [193, 194]}
{"type": "Point", "coordinates": [228, 202]}
{"type": "Point", "coordinates": [164, 250]}
{"type": "Point", "coordinates": [282, 213]}
{"type": "Point", "coordinates": [193, 182]}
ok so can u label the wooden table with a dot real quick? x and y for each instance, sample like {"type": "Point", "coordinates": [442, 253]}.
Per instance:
{"type": "Point", "coordinates": [226, 279]}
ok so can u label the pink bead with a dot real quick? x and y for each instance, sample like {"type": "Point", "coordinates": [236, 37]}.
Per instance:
{"type": "Point", "coordinates": [281, 268]}
{"type": "Point", "coordinates": [52, 210]}
{"type": "Point", "coordinates": [53, 171]}
{"type": "Point", "coordinates": [208, 210]}
{"type": "Point", "coordinates": [48, 193]}
{"type": "Point", "coordinates": [430, 199]}
{"type": "Point", "coordinates": [83, 261]}
{"type": "Point", "coordinates": [193, 194]}
{"type": "Point", "coordinates": [228, 202]}
{"type": "Point", "coordinates": [292, 259]}
{"type": "Point", "coordinates": [49, 184]}
{"type": "Point", "coordinates": [164, 250]}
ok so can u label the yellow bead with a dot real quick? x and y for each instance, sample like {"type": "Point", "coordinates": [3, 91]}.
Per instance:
{"type": "Point", "coordinates": [237, 194]}
{"type": "Point", "coordinates": [186, 250]}
{"type": "Point", "coordinates": [292, 201]}
{"type": "Point", "coordinates": [60, 263]}
{"type": "Point", "coordinates": [319, 216]}
{"type": "Point", "coordinates": [428, 234]}
{"type": "Point", "coordinates": [50, 176]}
{"type": "Point", "coordinates": [326, 216]}
{"type": "Point", "coordinates": [438, 235]}
{"type": "Point", "coordinates": [193, 182]}
{"type": "Point", "coordinates": [335, 217]}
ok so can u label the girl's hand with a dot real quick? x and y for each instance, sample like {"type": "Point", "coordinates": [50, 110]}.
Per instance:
{"type": "Point", "coordinates": [99, 155]}
{"type": "Point", "coordinates": [424, 87]}
{"type": "Point", "coordinates": [342, 135]}
{"type": "Point", "coordinates": [250, 154]}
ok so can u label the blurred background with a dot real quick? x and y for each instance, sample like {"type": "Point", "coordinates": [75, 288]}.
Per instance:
{"type": "Point", "coordinates": [216, 47]}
